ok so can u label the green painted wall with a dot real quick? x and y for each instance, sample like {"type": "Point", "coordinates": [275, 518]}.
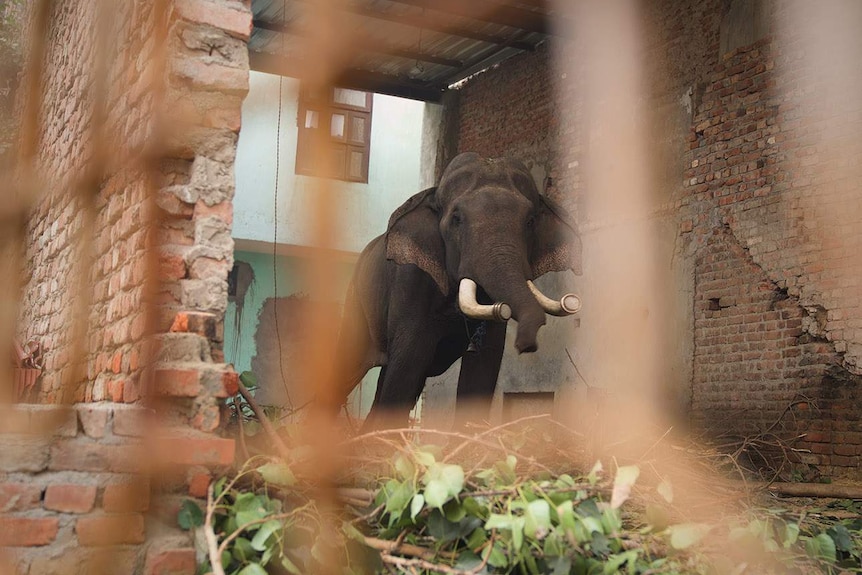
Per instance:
{"type": "Point", "coordinates": [240, 345]}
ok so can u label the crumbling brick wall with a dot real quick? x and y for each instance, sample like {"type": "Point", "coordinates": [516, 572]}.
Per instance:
{"type": "Point", "coordinates": [753, 173]}
{"type": "Point", "coordinates": [762, 170]}
{"type": "Point", "coordinates": [127, 251]}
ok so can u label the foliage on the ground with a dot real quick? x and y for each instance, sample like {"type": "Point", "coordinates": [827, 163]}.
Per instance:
{"type": "Point", "coordinates": [428, 515]}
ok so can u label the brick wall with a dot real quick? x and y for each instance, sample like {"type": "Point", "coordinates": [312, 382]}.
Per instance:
{"type": "Point", "coordinates": [761, 164]}
{"type": "Point", "coordinates": [760, 182]}
{"type": "Point", "coordinates": [127, 253]}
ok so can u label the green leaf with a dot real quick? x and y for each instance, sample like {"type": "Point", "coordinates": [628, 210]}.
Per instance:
{"type": "Point", "coordinates": [498, 521]}
{"type": "Point", "coordinates": [562, 566]}
{"type": "Point", "coordinates": [424, 458]}
{"type": "Point", "coordinates": [453, 477]}
{"type": "Point", "coordinates": [537, 517]}
{"type": "Point", "coordinates": [190, 515]}
{"type": "Point", "coordinates": [218, 488]}
{"type": "Point", "coordinates": [290, 566]}
{"type": "Point", "coordinates": [685, 535]}
{"type": "Point", "coordinates": [249, 508]}
{"type": "Point", "coordinates": [441, 528]}
{"type": "Point", "coordinates": [614, 562]}
{"type": "Point", "coordinates": [666, 491]}
{"type": "Point", "coordinates": [352, 532]}
{"type": "Point", "coordinates": [248, 379]}
{"type": "Point", "coordinates": [841, 536]}
{"type": "Point", "coordinates": [253, 569]}
{"type": "Point", "coordinates": [277, 474]}
{"type": "Point", "coordinates": [416, 505]}
{"type": "Point", "coordinates": [512, 462]}
{"type": "Point", "coordinates": [242, 550]}
{"type": "Point", "coordinates": [623, 483]}
{"type": "Point", "coordinates": [821, 547]}
{"type": "Point", "coordinates": [566, 514]}
{"type": "Point", "coordinates": [454, 511]}
{"type": "Point", "coordinates": [477, 538]}
{"type": "Point", "coordinates": [404, 467]}
{"type": "Point", "coordinates": [258, 543]}
{"type": "Point", "coordinates": [436, 493]}
{"type": "Point", "coordinates": [495, 555]}
{"type": "Point", "coordinates": [791, 535]}
{"type": "Point", "coordinates": [399, 496]}
{"type": "Point", "coordinates": [518, 529]}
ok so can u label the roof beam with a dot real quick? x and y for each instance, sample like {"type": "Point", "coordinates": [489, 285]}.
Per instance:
{"type": "Point", "coordinates": [428, 22]}
{"type": "Point", "coordinates": [486, 11]}
{"type": "Point", "coordinates": [365, 44]}
{"type": "Point", "coordinates": [355, 79]}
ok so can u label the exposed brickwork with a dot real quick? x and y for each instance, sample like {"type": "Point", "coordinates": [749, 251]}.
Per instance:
{"type": "Point", "coordinates": [759, 167]}
{"type": "Point", "coordinates": [132, 234]}
{"type": "Point", "coordinates": [754, 174]}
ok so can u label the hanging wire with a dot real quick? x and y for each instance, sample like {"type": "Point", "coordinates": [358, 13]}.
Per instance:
{"type": "Point", "coordinates": [275, 219]}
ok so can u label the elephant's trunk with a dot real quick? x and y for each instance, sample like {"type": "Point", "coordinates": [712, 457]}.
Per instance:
{"type": "Point", "coordinates": [511, 287]}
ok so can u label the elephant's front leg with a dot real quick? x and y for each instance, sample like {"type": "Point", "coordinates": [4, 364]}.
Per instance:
{"type": "Point", "coordinates": [402, 378]}
{"type": "Point", "coordinates": [478, 378]}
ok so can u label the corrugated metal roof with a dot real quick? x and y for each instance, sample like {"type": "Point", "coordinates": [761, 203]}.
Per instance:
{"type": "Point", "coordinates": [409, 48]}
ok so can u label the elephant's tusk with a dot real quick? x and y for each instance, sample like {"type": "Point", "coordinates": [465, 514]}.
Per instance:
{"type": "Point", "coordinates": [474, 310]}
{"type": "Point", "coordinates": [568, 304]}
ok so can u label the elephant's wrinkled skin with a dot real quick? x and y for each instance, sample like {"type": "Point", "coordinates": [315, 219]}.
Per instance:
{"type": "Point", "coordinates": [486, 221]}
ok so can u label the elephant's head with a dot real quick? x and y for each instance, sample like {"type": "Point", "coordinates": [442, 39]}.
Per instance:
{"type": "Point", "coordinates": [487, 222]}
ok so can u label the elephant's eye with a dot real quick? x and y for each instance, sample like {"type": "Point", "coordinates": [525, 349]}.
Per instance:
{"type": "Point", "coordinates": [455, 218]}
{"type": "Point", "coordinates": [531, 221]}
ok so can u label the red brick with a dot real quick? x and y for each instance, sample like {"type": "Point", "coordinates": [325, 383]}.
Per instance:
{"type": "Point", "coordinates": [84, 455]}
{"type": "Point", "coordinates": [27, 531]}
{"type": "Point", "coordinates": [132, 421]}
{"type": "Point", "coordinates": [199, 480]}
{"type": "Point", "coordinates": [70, 498]}
{"type": "Point", "coordinates": [115, 390]}
{"type": "Point", "coordinates": [171, 267]}
{"type": "Point", "coordinates": [230, 382]}
{"type": "Point", "coordinates": [117, 362]}
{"type": "Point", "coordinates": [19, 497]}
{"type": "Point", "coordinates": [171, 562]}
{"type": "Point", "coordinates": [130, 495]}
{"type": "Point", "coordinates": [178, 382]}
{"type": "Point", "coordinates": [127, 528]}
{"type": "Point", "coordinates": [196, 450]}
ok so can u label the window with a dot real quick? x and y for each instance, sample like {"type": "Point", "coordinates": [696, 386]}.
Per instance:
{"type": "Point", "coordinates": [340, 123]}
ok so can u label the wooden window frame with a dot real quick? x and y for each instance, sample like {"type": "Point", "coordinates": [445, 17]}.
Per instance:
{"type": "Point", "coordinates": [327, 108]}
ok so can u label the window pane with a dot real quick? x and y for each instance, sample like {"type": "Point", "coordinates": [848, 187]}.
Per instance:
{"type": "Point", "coordinates": [311, 119]}
{"type": "Point", "coordinates": [357, 129]}
{"type": "Point", "coordinates": [357, 164]}
{"type": "Point", "coordinates": [338, 157]}
{"type": "Point", "coordinates": [336, 127]}
{"type": "Point", "coordinates": [349, 97]}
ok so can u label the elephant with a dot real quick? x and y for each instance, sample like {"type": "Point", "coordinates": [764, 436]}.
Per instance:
{"type": "Point", "coordinates": [455, 263]}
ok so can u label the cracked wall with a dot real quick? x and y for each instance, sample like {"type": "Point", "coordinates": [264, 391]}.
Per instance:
{"type": "Point", "coordinates": [755, 165]}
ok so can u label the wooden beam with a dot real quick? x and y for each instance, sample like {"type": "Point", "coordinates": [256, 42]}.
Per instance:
{"type": "Point", "coordinates": [435, 24]}
{"type": "Point", "coordinates": [365, 44]}
{"type": "Point", "coordinates": [486, 11]}
{"type": "Point", "coordinates": [354, 79]}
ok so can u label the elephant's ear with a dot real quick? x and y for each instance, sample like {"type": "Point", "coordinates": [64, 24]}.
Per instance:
{"type": "Point", "coordinates": [557, 246]}
{"type": "Point", "coordinates": [413, 237]}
